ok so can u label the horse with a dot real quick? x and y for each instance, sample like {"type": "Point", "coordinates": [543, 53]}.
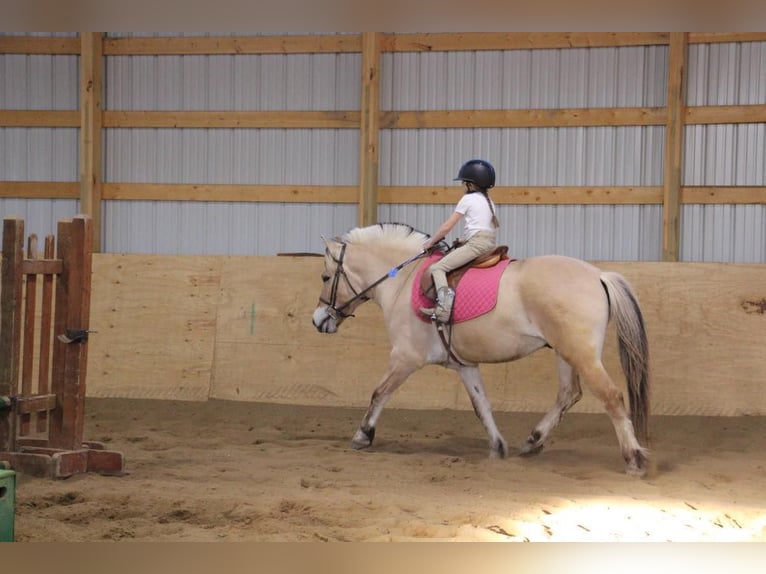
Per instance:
{"type": "Point", "coordinates": [543, 301]}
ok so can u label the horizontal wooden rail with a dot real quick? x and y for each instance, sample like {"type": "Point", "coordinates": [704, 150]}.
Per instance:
{"type": "Point", "coordinates": [511, 195]}
{"type": "Point", "coordinates": [39, 118]}
{"type": "Point", "coordinates": [233, 45]}
{"type": "Point", "coordinates": [39, 45]}
{"type": "Point", "coordinates": [351, 43]}
{"type": "Point", "coordinates": [243, 119]}
{"type": "Point", "coordinates": [528, 195]}
{"type": "Point", "coordinates": [220, 192]}
{"type": "Point", "coordinates": [41, 266]}
{"type": "Point", "coordinates": [436, 119]}
{"type": "Point", "coordinates": [40, 189]}
{"type": "Point", "coordinates": [535, 118]}
{"type": "Point", "coordinates": [35, 404]}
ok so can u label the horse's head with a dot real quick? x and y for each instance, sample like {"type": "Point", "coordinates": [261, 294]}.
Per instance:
{"type": "Point", "coordinates": [339, 295]}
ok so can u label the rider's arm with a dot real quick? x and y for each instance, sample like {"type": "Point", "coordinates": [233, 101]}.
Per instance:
{"type": "Point", "coordinates": [442, 232]}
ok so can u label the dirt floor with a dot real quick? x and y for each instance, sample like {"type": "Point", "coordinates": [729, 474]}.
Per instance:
{"type": "Point", "coordinates": [233, 471]}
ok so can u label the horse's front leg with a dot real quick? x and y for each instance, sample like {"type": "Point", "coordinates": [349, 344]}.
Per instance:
{"type": "Point", "coordinates": [398, 371]}
{"type": "Point", "coordinates": [472, 382]}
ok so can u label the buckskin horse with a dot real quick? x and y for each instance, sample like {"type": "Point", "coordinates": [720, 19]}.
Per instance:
{"type": "Point", "coordinates": [544, 301]}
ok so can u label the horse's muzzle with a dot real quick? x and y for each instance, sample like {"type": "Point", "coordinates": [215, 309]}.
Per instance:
{"type": "Point", "coordinates": [324, 321]}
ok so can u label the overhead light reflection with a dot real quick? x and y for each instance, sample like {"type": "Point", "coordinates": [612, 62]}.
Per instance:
{"type": "Point", "coordinates": [615, 520]}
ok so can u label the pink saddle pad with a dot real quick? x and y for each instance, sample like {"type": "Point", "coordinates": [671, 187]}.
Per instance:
{"type": "Point", "coordinates": [475, 295]}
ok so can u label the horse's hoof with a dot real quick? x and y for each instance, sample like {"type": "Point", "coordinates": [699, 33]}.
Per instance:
{"type": "Point", "coordinates": [500, 450]}
{"type": "Point", "coordinates": [532, 446]}
{"type": "Point", "coordinates": [637, 463]}
{"type": "Point", "coordinates": [362, 439]}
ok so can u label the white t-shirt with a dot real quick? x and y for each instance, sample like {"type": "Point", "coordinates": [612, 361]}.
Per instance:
{"type": "Point", "coordinates": [477, 215]}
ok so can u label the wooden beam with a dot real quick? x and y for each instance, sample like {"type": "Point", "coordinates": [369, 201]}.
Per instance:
{"type": "Point", "coordinates": [522, 195]}
{"type": "Point", "coordinates": [723, 195]}
{"type": "Point", "coordinates": [559, 117]}
{"type": "Point", "coordinates": [747, 114]}
{"type": "Point", "coordinates": [41, 266]}
{"type": "Point", "coordinates": [474, 41]}
{"type": "Point", "coordinates": [34, 404]}
{"type": "Point", "coordinates": [719, 37]}
{"type": "Point", "coordinates": [39, 45]}
{"type": "Point", "coordinates": [350, 43]}
{"type": "Point", "coordinates": [40, 189]}
{"type": "Point", "coordinates": [571, 117]}
{"type": "Point", "coordinates": [91, 89]}
{"type": "Point", "coordinates": [674, 142]}
{"type": "Point", "coordinates": [529, 195]}
{"type": "Point", "coordinates": [39, 119]}
{"type": "Point", "coordinates": [241, 119]}
{"type": "Point", "coordinates": [302, 44]}
{"type": "Point", "coordinates": [224, 192]}
{"type": "Point", "coordinates": [369, 137]}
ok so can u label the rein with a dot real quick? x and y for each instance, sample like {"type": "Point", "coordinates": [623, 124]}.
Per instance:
{"type": "Point", "coordinates": [335, 311]}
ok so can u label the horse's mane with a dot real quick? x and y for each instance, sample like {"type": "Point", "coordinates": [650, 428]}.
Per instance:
{"type": "Point", "coordinates": [393, 234]}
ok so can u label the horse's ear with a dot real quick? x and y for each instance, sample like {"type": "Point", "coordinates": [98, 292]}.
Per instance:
{"type": "Point", "coordinates": [333, 246]}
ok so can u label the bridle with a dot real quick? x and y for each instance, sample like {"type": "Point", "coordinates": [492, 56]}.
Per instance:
{"type": "Point", "coordinates": [334, 311]}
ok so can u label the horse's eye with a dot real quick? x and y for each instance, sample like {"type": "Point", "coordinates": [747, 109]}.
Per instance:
{"type": "Point", "coordinates": [325, 278]}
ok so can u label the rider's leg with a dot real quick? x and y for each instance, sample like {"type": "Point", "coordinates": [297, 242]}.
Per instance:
{"type": "Point", "coordinates": [479, 244]}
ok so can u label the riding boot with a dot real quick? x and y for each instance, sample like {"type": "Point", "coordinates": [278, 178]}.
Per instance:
{"type": "Point", "coordinates": [443, 310]}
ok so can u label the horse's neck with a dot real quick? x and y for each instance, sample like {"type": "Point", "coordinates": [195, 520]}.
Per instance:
{"type": "Point", "coordinates": [381, 263]}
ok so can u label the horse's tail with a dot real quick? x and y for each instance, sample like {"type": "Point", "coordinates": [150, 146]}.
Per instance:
{"type": "Point", "coordinates": [634, 348]}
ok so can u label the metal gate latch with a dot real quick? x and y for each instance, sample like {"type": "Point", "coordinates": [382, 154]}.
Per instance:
{"type": "Point", "coordinates": [74, 336]}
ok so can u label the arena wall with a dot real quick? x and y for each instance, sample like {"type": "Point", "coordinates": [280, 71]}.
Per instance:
{"type": "Point", "coordinates": [239, 328]}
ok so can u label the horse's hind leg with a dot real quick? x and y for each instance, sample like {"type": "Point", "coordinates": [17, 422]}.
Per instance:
{"type": "Point", "coordinates": [569, 393]}
{"type": "Point", "coordinates": [472, 382]}
{"type": "Point", "coordinates": [397, 373]}
{"type": "Point", "coordinates": [635, 456]}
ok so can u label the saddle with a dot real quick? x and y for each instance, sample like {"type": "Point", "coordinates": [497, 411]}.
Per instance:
{"type": "Point", "coordinates": [485, 261]}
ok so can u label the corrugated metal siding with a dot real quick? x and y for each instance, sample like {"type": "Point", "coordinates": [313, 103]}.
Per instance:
{"type": "Point", "coordinates": [242, 156]}
{"type": "Point", "coordinates": [39, 82]}
{"type": "Point", "coordinates": [635, 76]}
{"type": "Point", "coordinates": [725, 74]}
{"type": "Point", "coordinates": [601, 77]}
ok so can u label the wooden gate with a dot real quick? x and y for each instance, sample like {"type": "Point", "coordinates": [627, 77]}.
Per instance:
{"type": "Point", "coordinates": [44, 353]}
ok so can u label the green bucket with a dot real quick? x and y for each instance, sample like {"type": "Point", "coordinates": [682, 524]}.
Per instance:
{"type": "Point", "coordinates": [7, 504]}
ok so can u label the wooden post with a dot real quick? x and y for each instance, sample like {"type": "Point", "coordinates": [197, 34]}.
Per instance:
{"type": "Point", "coordinates": [674, 143]}
{"type": "Point", "coordinates": [91, 89]}
{"type": "Point", "coordinates": [10, 327]}
{"type": "Point", "coordinates": [370, 128]}
{"type": "Point", "coordinates": [70, 359]}
{"type": "Point", "coordinates": [28, 338]}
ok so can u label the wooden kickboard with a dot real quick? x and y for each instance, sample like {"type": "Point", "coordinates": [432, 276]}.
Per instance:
{"type": "Point", "coordinates": [192, 328]}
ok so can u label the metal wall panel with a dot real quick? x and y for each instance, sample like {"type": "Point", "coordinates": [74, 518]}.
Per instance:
{"type": "Point", "coordinates": [518, 79]}
{"type": "Point", "coordinates": [242, 156]}
{"type": "Point", "coordinates": [39, 82]}
{"type": "Point", "coordinates": [292, 157]}
{"type": "Point", "coordinates": [541, 156]}
{"type": "Point", "coordinates": [725, 74]}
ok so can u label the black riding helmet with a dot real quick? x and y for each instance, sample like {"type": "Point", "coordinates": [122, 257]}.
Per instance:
{"type": "Point", "coordinates": [477, 171]}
